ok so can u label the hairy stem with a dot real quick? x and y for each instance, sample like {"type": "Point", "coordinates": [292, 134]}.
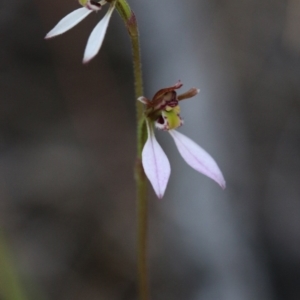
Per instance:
{"type": "Point", "coordinates": [141, 180]}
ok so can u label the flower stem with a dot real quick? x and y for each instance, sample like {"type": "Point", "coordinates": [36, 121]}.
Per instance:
{"type": "Point", "coordinates": [10, 285]}
{"type": "Point", "coordinates": [140, 177]}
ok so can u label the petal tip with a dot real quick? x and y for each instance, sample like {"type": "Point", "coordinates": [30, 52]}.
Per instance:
{"type": "Point", "coordinates": [49, 35]}
{"type": "Point", "coordinates": [87, 58]}
{"type": "Point", "coordinates": [178, 84]}
{"type": "Point", "coordinates": [85, 61]}
{"type": "Point", "coordinates": [217, 177]}
{"type": "Point", "coordinates": [222, 184]}
{"type": "Point", "coordinates": [159, 196]}
{"type": "Point", "coordinates": [143, 99]}
{"type": "Point", "coordinates": [159, 192]}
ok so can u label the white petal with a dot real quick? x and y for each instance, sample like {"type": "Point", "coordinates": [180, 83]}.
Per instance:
{"type": "Point", "coordinates": [156, 164]}
{"type": "Point", "coordinates": [96, 38]}
{"type": "Point", "coordinates": [69, 21]}
{"type": "Point", "coordinates": [197, 157]}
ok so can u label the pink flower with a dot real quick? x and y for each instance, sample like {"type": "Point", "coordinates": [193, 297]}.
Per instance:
{"type": "Point", "coordinates": [97, 36]}
{"type": "Point", "coordinates": [163, 111]}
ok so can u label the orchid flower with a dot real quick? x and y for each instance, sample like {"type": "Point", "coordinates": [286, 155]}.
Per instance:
{"type": "Point", "coordinates": [163, 111]}
{"type": "Point", "coordinates": [97, 36]}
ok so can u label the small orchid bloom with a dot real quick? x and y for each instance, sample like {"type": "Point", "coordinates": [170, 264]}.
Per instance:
{"type": "Point", "coordinates": [163, 111]}
{"type": "Point", "coordinates": [97, 36]}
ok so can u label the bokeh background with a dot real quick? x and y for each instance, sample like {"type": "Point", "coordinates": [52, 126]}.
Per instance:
{"type": "Point", "coordinates": [67, 195]}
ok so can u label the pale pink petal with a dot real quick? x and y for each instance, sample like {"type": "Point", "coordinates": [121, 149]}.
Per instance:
{"type": "Point", "coordinates": [96, 38]}
{"type": "Point", "coordinates": [156, 164]}
{"type": "Point", "coordinates": [69, 21]}
{"type": "Point", "coordinates": [197, 157]}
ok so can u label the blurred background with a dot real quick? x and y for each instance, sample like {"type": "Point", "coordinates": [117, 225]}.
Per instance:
{"type": "Point", "coordinates": [67, 193]}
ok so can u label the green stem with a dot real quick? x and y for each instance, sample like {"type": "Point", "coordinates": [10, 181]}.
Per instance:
{"type": "Point", "coordinates": [10, 285]}
{"type": "Point", "coordinates": [140, 177]}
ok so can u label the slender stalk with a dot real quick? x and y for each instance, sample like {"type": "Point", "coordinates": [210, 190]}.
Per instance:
{"type": "Point", "coordinates": [142, 215]}
{"type": "Point", "coordinates": [10, 285]}
{"type": "Point", "coordinates": [141, 180]}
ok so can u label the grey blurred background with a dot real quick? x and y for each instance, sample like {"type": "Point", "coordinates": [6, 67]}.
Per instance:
{"type": "Point", "coordinates": [67, 195]}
